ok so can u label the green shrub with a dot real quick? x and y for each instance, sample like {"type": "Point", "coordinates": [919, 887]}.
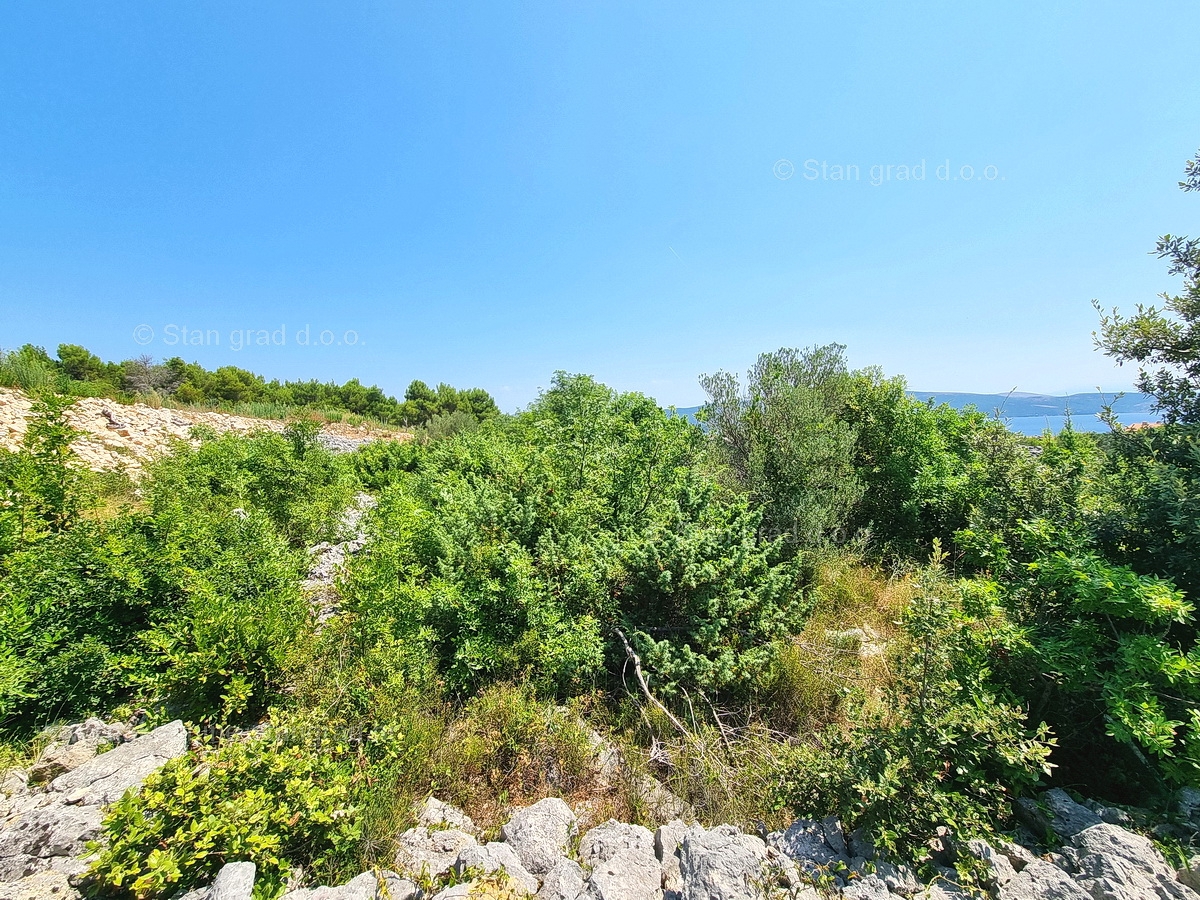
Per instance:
{"type": "Point", "coordinates": [29, 369]}
{"type": "Point", "coordinates": [942, 749]}
{"type": "Point", "coordinates": [380, 463]}
{"type": "Point", "coordinates": [506, 747]}
{"type": "Point", "coordinates": [515, 550]}
{"type": "Point", "coordinates": [272, 800]}
{"type": "Point", "coordinates": [299, 484]}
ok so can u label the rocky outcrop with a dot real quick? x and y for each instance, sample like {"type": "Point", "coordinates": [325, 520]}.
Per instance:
{"type": "Point", "coordinates": [540, 834]}
{"type": "Point", "coordinates": [46, 822]}
{"type": "Point", "coordinates": [622, 863]}
{"type": "Point", "coordinates": [124, 436]}
{"type": "Point", "coordinates": [328, 560]}
{"type": "Point", "coordinates": [45, 829]}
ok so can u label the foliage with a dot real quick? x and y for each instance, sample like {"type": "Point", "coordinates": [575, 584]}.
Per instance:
{"type": "Point", "coordinates": [785, 441]}
{"type": "Point", "coordinates": [914, 461]}
{"type": "Point", "coordinates": [379, 463]}
{"type": "Point", "coordinates": [299, 484]}
{"type": "Point", "coordinates": [79, 372]}
{"type": "Point", "coordinates": [40, 491]}
{"type": "Point", "coordinates": [1151, 515]}
{"type": "Point", "coordinates": [514, 549]}
{"type": "Point", "coordinates": [943, 749]}
{"type": "Point", "coordinates": [29, 369]}
{"type": "Point", "coordinates": [1168, 337]}
{"type": "Point", "coordinates": [507, 748]}
{"type": "Point", "coordinates": [272, 800]}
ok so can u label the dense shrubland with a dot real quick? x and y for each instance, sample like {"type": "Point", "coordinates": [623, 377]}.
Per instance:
{"type": "Point", "coordinates": [831, 598]}
{"type": "Point", "coordinates": [79, 372]}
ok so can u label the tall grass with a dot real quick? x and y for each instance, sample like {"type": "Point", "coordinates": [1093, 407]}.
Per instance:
{"type": "Point", "coordinates": [27, 372]}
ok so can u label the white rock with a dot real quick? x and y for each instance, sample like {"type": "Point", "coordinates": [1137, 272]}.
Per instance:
{"type": "Point", "coordinates": [365, 886]}
{"type": "Point", "coordinates": [104, 778]}
{"type": "Point", "coordinates": [1116, 864]}
{"type": "Point", "coordinates": [421, 852]}
{"type": "Point", "coordinates": [564, 882]}
{"type": "Point", "coordinates": [436, 814]}
{"type": "Point", "coordinates": [610, 838]}
{"type": "Point", "coordinates": [235, 881]}
{"type": "Point", "coordinates": [33, 841]}
{"type": "Point", "coordinates": [496, 857]}
{"type": "Point", "coordinates": [722, 864]}
{"type": "Point", "coordinates": [1042, 881]}
{"type": "Point", "coordinates": [623, 862]}
{"type": "Point", "coordinates": [42, 886]}
{"type": "Point", "coordinates": [871, 887]}
{"type": "Point", "coordinates": [541, 833]}
{"type": "Point", "coordinates": [667, 840]}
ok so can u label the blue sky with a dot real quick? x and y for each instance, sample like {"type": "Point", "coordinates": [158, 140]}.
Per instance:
{"type": "Point", "coordinates": [485, 193]}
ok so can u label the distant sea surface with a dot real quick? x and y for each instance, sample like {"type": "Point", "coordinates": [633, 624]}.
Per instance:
{"type": "Point", "coordinates": [1037, 425]}
{"type": "Point", "coordinates": [1034, 414]}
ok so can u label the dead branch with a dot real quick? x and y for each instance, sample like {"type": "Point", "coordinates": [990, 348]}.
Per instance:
{"type": "Point", "coordinates": [637, 670]}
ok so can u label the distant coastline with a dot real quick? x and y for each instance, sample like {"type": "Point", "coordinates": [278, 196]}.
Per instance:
{"type": "Point", "coordinates": [1034, 414]}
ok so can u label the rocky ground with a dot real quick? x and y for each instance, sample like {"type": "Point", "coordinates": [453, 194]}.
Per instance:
{"type": "Point", "coordinates": [48, 814]}
{"type": "Point", "coordinates": [116, 435]}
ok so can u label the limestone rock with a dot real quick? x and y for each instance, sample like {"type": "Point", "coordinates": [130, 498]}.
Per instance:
{"type": "Point", "coordinates": [42, 886]}
{"type": "Point", "coordinates": [496, 857]}
{"type": "Point", "coordinates": [1116, 864]}
{"type": "Point", "coordinates": [430, 853]}
{"type": "Point", "coordinates": [104, 778]}
{"type": "Point", "coordinates": [1057, 813]}
{"type": "Point", "coordinates": [366, 886]}
{"type": "Point", "coordinates": [541, 833]}
{"type": "Point", "coordinates": [1190, 873]}
{"type": "Point", "coordinates": [456, 891]}
{"type": "Point", "coordinates": [610, 838]}
{"type": "Point", "coordinates": [1042, 881]}
{"type": "Point", "coordinates": [436, 814]}
{"type": "Point", "coordinates": [807, 843]}
{"type": "Point", "coordinates": [564, 882]}
{"type": "Point", "coordinates": [623, 862]}
{"type": "Point", "coordinates": [667, 840]}
{"type": "Point", "coordinates": [871, 887]}
{"type": "Point", "coordinates": [1000, 867]}
{"type": "Point", "coordinates": [235, 881]}
{"type": "Point", "coordinates": [75, 745]}
{"type": "Point", "coordinates": [722, 864]}
{"type": "Point", "coordinates": [31, 843]}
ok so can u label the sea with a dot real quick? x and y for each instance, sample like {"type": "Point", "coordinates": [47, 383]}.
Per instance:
{"type": "Point", "coordinates": [1039, 425]}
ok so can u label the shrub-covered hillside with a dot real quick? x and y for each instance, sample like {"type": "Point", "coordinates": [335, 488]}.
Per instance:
{"type": "Point", "coordinates": [833, 600]}
{"type": "Point", "coordinates": [827, 599]}
{"type": "Point", "coordinates": [79, 372]}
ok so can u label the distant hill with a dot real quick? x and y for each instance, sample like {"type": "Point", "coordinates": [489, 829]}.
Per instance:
{"type": "Point", "coordinates": [1019, 404]}
{"type": "Point", "coordinates": [1132, 407]}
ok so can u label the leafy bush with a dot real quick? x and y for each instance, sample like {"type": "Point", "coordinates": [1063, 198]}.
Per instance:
{"type": "Point", "coordinates": [786, 441]}
{"type": "Point", "coordinates": [380, 463]}
{"type": "Point", "coordinates": [29, 369]}
{"type": "Point", "coordinates": [299, 484]}
{"type": "Point", "coordinates": [279, 803]}
{"type": "Point", "coordinates": [224, 654]}
{"type": "Point", "coordinates": [514, 550]}
{"type": "Point", "coordinates": [942, 749]}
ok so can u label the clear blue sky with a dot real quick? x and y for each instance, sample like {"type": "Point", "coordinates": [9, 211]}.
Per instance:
{"type": "Point", "coordinates": [485, 193]}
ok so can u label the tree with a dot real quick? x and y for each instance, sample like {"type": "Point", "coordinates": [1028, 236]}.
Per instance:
{"type": "Point", "coordinates": [80, 363]}
{"type": "Point", "coordinates": [785, 440]}
{"type": "Point", "coordinates": [144, 376]}
{"type": "Point", "coordinates": [1166, 338]}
